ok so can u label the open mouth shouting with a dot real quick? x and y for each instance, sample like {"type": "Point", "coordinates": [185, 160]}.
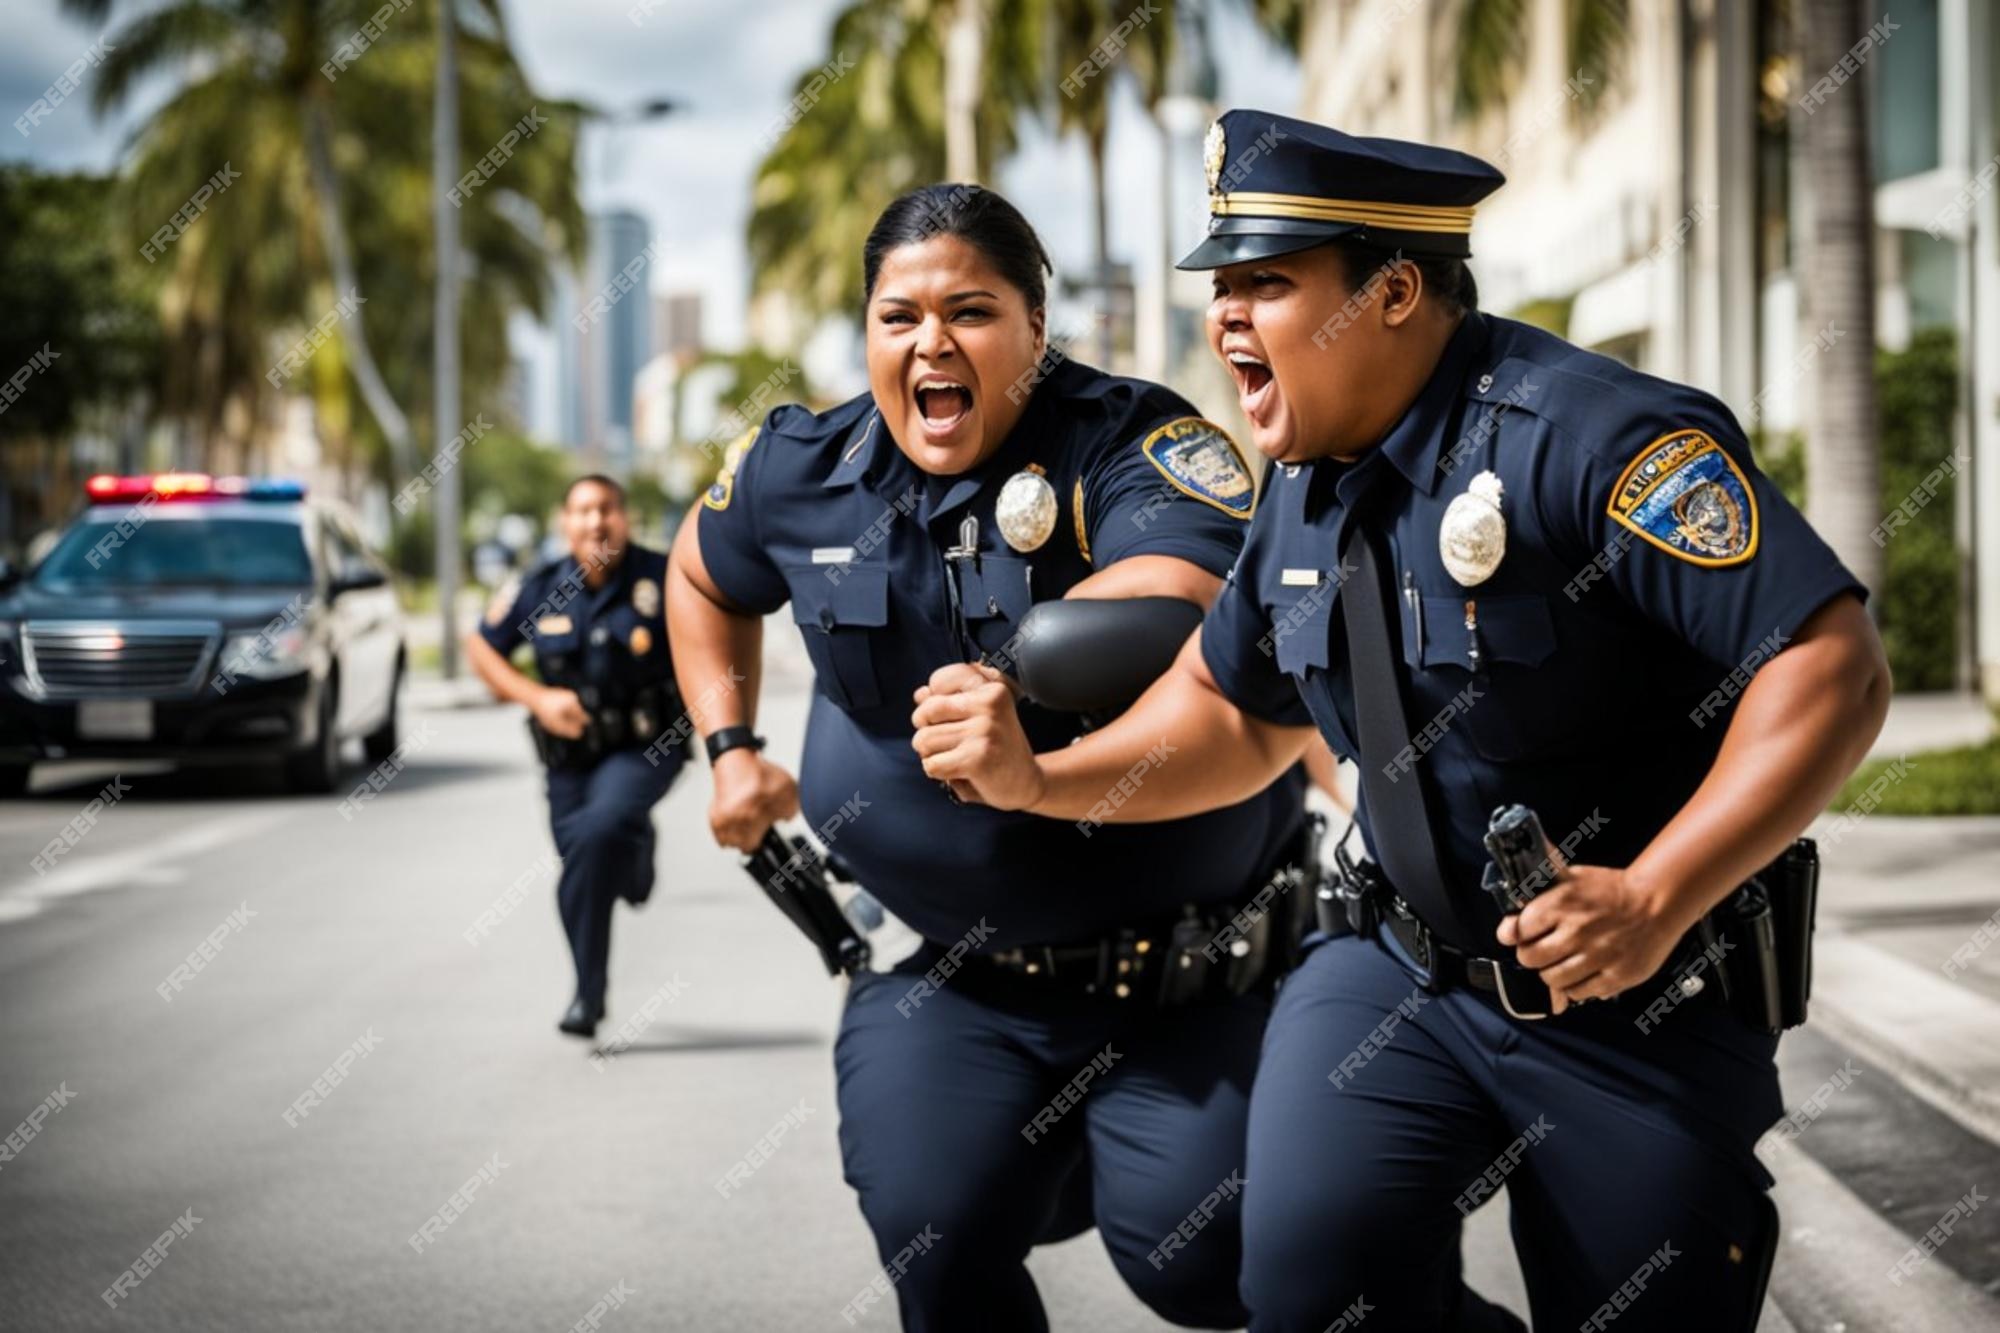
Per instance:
{"type": "Point", "coordinates": [944, 406]}
{"type": "Point", "coordinates": [1254, 383]}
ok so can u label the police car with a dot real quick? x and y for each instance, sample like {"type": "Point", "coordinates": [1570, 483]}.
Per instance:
{"type": "Point", "coordinates": [202, 619]}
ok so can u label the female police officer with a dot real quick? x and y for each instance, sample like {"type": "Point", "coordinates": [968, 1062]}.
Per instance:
{"type": "Point", "coordinates": [1492, 568]}
{"type": "Point", "coordinates": [912, 527]}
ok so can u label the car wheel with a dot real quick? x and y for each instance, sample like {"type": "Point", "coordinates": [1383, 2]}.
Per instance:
{"type": "Point", "coordinates": [13, 780]}
{"type": "Point", "coordinates": [381, 743]}
{"type": "Point", "coordinates": [317, 767]}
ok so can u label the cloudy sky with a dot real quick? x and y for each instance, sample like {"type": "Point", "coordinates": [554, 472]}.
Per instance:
{"type": "Point", "coordinates": [732, 65]}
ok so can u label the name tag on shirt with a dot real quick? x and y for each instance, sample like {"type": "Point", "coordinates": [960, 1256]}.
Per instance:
{"type": "Point", "coordinates": [832, 555]}
{"type": "Point", "coordinates": [1299, 578]}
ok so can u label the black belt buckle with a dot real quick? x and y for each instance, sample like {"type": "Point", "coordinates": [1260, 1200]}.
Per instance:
{"type": "Point", "coordinates": [1417, 941]}
{"type": "Point", "coordinates": [1498, 971]}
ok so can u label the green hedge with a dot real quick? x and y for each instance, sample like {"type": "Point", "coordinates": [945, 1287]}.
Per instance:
{"type": "Point", "coordinates": [1917, 394]}
{"type": "Point", "coordinates": [1918, 390]}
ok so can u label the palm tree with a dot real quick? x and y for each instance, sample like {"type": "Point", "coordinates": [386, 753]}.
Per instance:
{"type": "Point", "coordinates": [874, 133]}
{"type": "Point", "coordinates": [1843, 466]}
{"type": "Point", "coordinates": [1491, 46]}
{"type": "Point", "coordinates": [330, 196]}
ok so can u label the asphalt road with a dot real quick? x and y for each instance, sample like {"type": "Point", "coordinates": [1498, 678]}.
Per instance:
{"type": "Point", "coordinates": [208, 949]}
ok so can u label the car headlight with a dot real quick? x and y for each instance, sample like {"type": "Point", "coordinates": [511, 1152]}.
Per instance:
{"type": "Point", "coordinates": [266, 654]}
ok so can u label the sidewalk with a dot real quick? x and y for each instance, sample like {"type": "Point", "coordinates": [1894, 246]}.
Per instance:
{"type": "Point", "coordinates": [1932, 722]}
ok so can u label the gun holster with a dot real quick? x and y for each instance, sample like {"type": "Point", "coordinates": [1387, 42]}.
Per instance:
{"type": "Point", "coordinates": [562, 753]}
{"type": "Point", "coordinates": [1351, 896]}
{"type": "Point", "coordinates": [1766, 927]}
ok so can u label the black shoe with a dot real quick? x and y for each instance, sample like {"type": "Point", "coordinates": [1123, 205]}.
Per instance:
{"type": "Point", "coordinates": [581, 1019]}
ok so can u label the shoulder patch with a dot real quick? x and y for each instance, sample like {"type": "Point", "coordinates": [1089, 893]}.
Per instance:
{"type": "Point", "coordinates": [724, 485]}
{"type": "Point", "coordinates": [1687, 496]}
{"type": "Point", "coordinates": [1200, 459]}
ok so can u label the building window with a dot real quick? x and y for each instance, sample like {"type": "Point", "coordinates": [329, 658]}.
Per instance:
{"type": "Point", "coordinates": [1904, 93]}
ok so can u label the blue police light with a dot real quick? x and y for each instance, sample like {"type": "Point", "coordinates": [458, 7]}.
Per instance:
{"type": "Point", "coordinates": [107, 489]}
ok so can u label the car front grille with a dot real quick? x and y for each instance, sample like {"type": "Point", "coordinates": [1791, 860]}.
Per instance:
{"type": "Point", "coordinates": [71, 659]}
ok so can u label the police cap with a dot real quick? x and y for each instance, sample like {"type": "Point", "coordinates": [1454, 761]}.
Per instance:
{"type": "Point", "coordinates": [1279, 185]}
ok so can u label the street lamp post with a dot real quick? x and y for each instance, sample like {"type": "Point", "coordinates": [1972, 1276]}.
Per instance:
{"type": "Point", "coordinates": [444, 149]}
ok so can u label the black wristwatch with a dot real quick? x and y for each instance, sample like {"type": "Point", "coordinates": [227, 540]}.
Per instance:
{"type": "Point", "coordinates": [724, 739]}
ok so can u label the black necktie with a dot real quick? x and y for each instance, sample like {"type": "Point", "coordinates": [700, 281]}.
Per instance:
{"type": "Point", "coordinates": [1399, 818]}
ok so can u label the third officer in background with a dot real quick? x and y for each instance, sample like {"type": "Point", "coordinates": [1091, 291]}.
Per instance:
{"type": "Point", "coordinates": [1495, 570]}
{"type": "Point", "coordinates": [596, 621]}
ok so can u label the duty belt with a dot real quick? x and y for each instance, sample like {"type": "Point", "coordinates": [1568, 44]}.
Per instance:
{"type": "Point", "coordinates": [1208, 951]}
{"type": "Point", "coordinates": [1359, 901]}
{"type": "Point", "coordinates": [611, 727]}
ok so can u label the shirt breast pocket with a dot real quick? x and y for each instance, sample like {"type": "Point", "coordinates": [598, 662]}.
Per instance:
{"type": "Point", "coordinates": [559, 651]}
{"type": "Point", "coordinates": [1301, 642]}
{"type": "Point", "coordinates": [997, 596]}
{"type": "Point", "coordinates": [1517, 704]}
{"type": "Point", "coordinates": [840, 610]}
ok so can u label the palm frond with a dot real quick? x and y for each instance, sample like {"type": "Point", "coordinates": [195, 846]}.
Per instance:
{"type": "Point", "coordinates": [1487, 57]}
{"type": "Point", "coordinates": [163, 37]}
{"type": "Point", "coordinates": [1599, 33]}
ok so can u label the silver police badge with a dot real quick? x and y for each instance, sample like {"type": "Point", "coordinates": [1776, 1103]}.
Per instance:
{"type": "Point", "coordinates": [1214, 151]}
{"type": "Point", "coordinates": [1026, 510]}
{"type": "Point", "coordinates": [1472, 540]}
{"type": "Point", "coordinates": [646, 597]}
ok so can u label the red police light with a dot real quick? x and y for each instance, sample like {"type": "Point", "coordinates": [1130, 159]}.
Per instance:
{"type": "Point", "coordinates": [106, 488]}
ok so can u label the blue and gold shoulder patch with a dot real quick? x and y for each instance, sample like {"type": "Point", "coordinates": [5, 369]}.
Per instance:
{"type": "Point", "coordinates": [1687, 496]}
{"type": "Point", "coordinates": [1200, 459]}
{"type": "Point", "coordinates": [724, 485]}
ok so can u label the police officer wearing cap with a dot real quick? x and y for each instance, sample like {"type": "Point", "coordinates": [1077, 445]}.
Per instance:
{"type": "Point", "coordinates": [1490, 568]}
{"type": "Point", "coordinates": [1062, 1050]}
{"type": "Point", "coordinates": [602, 698]}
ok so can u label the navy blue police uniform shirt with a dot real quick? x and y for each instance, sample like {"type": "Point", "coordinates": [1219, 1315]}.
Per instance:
{"type": "Point", "coordinates": [613, 638]}
{"type": "Point", "coordinates": [827, 514]}
{"type": "Point", "coordinates": [1649, 570]}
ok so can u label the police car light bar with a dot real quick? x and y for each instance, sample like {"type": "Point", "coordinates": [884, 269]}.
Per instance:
{"type": "Point", "coordinates": [106, 488]}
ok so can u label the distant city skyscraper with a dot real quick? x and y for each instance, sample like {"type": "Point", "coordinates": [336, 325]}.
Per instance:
{"type": "Point", "coordinates": [618, 344]}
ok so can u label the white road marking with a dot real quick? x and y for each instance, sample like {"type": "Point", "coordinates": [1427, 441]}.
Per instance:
{"type": "Point", "coordinates": [150, 864]}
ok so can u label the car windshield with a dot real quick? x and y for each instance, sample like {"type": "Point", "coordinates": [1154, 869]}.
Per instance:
{"type": "Point", "coordinates": [178, 553]}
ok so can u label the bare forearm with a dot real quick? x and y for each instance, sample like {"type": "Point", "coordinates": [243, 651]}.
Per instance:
{"type": "Point", "coordinates": [1806, 720]}
{"type": "Point", "coordinates": [499, 675]}
{"type": "Point", "coordinates": [1201, 753]}
{"type": "Point", "coordinates": [1150, 576]}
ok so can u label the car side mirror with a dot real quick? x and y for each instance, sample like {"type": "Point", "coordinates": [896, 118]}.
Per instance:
{"type": "Point", "coordinates": [354, 580]}
{"type": "Point", "coordinates": [10, 573]}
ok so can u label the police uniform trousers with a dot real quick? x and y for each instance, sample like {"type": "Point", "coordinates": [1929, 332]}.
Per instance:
{"type": "Point", "coordinates": [934, 1101]}
{"type": "Point", "coordinates": [602, 818]}
{"type": "Point", "coordinates": [1634, 1193]}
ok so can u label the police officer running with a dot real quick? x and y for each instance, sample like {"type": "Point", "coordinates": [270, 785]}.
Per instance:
{"type": "Point", "coordinates": [1495, 570]}
{"type": "Point", "coordinates": [596, 620]}
{"type": "Point", "coordinates": [1074, 1042]}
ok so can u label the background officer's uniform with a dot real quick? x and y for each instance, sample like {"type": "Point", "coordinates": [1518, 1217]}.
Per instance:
{"type": "Point", "coordinates": [1645, 559]}
{"type": "Point", "coordinates": [827, 514]}
{"type": "Point", "coordinates": [609, 644]}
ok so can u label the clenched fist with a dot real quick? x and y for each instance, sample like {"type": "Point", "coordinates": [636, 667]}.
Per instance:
{"type": "Point", "coordinates": [969, 734]}
{"type": "Point", "coordinates": [559, 711]}
{"type": "Point", "coordinates": [751, 794]}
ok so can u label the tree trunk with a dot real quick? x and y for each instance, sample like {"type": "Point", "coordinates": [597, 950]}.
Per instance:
{"type": "Point", "coordinates": [326, 195]}
{"type": "Point", "coordinates": [1100, 237]}
{"type": "Point", "coordinates": [964, 73]}
{"type": "Point", "coordinates": [1843, 467]}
